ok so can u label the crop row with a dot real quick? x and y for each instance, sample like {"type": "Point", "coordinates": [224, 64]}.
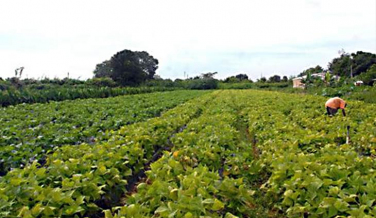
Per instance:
{"type": "Point", "coordinates": [30, 131]}
{"type": "Point", "coordinates": [80, 179]}
{"type": "Point", "coordinates": [303, 169]}
{"type": "Point", "coordinates": [248, 154]}
{"type": "Point", "coordinates": [47, 93]}
{"type": "Point", "coordinates": [202, 176]}
{"type": "Point", "coordinates": [313, 172]}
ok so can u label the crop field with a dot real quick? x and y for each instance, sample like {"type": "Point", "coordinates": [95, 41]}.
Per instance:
{"type": "Point", "coordinates": [227, 153]}
{"type": "Point", "coordinates": [29, 131]}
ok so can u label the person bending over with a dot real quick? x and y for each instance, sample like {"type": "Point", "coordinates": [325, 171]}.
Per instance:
{"type": "Point", "coordinates": [333, 104]}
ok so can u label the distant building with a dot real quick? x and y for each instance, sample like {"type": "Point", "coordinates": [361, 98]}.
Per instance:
{"type": "Point", "coordinates": [297, 82]}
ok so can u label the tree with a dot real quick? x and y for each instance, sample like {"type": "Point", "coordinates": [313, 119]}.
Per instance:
{"type": "Point", "coordinates": [362, 61]}
{"type": "Point", "coordinates": [103, 69]}
{"type": "Point", "coordinates": [231, 79]}
{"type": "Point", "coordinates": [355, 63]}
{"type": "Point", "coordinates": [262, 79]}
{"type": "Point", "coordinates": [128, 67]}
{"type": "Point", "coordinates": [242, 77]}
{"type": "Point", "coordinates": [369, 77]}
{"type": "Point", "coordinates": [341, 66]}
{"type": "Point", "coordinates": [285, 79]}
{"type": "Point", "coordinates": [275, 79]}
{"type": "Point", "coordinates": [237, 78]}
{"type": "Point", "coordinates": [327, 78]}
{"type": "Point", "coordinates": [209, 75]}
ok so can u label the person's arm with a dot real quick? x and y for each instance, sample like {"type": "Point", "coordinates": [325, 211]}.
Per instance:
{"type": "Point", "coordinates": [343, 112]}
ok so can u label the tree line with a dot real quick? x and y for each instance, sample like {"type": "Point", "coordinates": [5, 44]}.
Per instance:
{"type": "Point", "coordinates": [349, 66]}
{"type": "Point", "coordinates": [128, 68]}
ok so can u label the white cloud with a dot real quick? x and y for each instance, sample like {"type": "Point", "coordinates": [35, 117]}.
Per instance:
{"type": "Point", "coordinates": [52, 38]}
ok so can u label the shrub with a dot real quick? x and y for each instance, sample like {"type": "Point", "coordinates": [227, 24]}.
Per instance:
{"type": "Point", "coordinates": [205, 83]}
{"type": "Point", "coordinates": [101, 82]}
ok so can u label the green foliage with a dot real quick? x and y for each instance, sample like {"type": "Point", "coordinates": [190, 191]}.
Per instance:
{"type": "Point", "coordinates": [236, 85]}
{"type": "Point", "coordinates": [209, 75]}
{"type": "Point", "coordinates": [312, 70]}
{"type": "Point", "coordinates": [285, 79]}
{"type": "Point", "coordinates": [367, 94]}
{"type": "Point", "coordinates": [359, 63]}
{"type": "Point", "coordinates": [262, 80]}
{"type": "Point", "coordinates": [237, 78]}
{"type": "Point", "coordinates": [369, 77]}
{"type": "Point", "coordinates": [162, 83]}
{"type": "Point", "coordinates": [362, 61]}
{"type": "Point", "coordinates": [185, 182]}
{"type": "Point", "coordinates": [202, 83]}
{"type": "Point", "coordinates": [103, 69]}
{"type": "Point", "coordinates": [130, 68]}
{"type": "Point", "coordinates": [271, 86]}
{"type": "Point", "coordinates": [16, 82]}
{"type": "Point", "coordinates": [29, 132]}
{"type": "Point", "coordinates": [5, 85]}
{"type": "Point", "coordinates": [274, 79]}
{"type": "Point", "coordinates": [43, 93]}
{"type": "Point", "coordinates": [77, 180]}
{"type": "Point", "coordinates": [351, 92]}
{"type": "Point", "coordinates": [311, 174]}
{"type": "Point", "coordinates": [241, 77]}
{"type": "Point", "coordinates": [101, 82]}
{"type": "Point", "coordinates": [230, 153]}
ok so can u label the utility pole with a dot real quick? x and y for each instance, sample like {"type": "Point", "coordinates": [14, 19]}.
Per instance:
{"type": "Point", "coordinates": [351, 66]}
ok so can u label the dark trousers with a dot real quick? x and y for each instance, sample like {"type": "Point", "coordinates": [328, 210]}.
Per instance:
{"type": "Point", "coordinates": [331, 111]}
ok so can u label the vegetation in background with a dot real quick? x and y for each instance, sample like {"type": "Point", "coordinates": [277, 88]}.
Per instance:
{"type": "Point", "coordinates": [369, 77]}
{"type": "Point", "coordinates": [225, 154]}
{"type": "Point", "coordinates": [311, 70]}
{"type": "Point", "coordinates": [348, 65]}
{"type": "Point", "coordinates": [129, 72]}
{"type": "Point", "coordinates": [60, 93]}
{"type": "Point", "coordinates": [128, 68]}
{"type": "Point", "coordinates": [349, 68]}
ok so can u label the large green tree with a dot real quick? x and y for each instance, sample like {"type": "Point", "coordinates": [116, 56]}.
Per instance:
{"type": "Point", "coordinates": [128, 68]}
{"type": "Point", "coordinates": [355, 63]}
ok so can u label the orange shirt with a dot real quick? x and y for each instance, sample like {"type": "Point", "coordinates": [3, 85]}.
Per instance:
{"type": "Point", "coordinates": [335, 103]}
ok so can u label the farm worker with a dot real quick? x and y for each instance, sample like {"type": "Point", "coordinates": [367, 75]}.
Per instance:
{"type": "Point", "coordinates": [333, 104]}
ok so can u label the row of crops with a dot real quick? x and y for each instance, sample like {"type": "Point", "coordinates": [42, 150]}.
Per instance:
{"type": "Point", "coordinates": [83, 179]}
{"type": "Point", "coordinates": [227, 154]}
{"type": "Point", "coordinates": [28, 131]}
{"type": "Point", "coordinates": [263, 154]}
{"type": "Point", "coordinates": [48, 93]}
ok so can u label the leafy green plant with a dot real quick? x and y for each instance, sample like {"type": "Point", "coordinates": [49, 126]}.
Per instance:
{"type": "Point", "coordinates": [29, 132]}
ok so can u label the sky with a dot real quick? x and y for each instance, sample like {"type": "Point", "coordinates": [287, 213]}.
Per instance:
{"type": "Point", "coordinates": [257, 38]}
